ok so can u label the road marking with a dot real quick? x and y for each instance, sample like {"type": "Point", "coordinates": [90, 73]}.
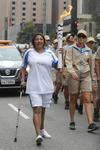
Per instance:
{"type": "Point", "coordinates": [21, 113]}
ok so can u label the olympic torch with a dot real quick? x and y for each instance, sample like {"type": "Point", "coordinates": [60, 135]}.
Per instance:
{"type": "Point", "coordinates": [60, 34]}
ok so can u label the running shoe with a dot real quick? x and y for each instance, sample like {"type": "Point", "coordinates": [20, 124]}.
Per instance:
{"type": "Point", "coordinates": [92, 127]}
{"type": "Point", "coordinates": [72, 126]}
{"type": "Point", "coordinates": [45, 134]}
{"type": "Point", "coordinates": [39, 140]}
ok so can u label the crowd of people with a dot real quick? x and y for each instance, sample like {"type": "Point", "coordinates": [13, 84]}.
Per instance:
{"type": "Point", "coordinates": [79, 78]}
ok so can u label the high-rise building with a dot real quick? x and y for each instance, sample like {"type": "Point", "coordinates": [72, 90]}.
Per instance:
{"type": "Point", "coordinates": [17, 12]}
{"type": "Point", "coordinates": [21, 11]}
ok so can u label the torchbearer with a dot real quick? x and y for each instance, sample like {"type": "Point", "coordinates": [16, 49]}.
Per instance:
{"type": "Point", "coordinates": [60, 34]}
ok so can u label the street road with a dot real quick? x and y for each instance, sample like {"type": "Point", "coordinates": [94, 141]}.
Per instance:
{"type": "Point", "coordinates": [56, 123]}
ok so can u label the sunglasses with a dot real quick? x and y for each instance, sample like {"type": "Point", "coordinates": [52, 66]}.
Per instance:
{"type": "Point", "coordinates": [81, 35]}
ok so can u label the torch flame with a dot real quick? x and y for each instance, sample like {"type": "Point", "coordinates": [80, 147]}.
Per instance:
{"type": "Point", "coordinates": [65, 13]}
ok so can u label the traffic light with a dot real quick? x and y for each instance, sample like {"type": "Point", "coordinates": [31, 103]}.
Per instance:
{"type": "Point", "coordinates": [74, 26]}
{"type": "Point", "coordinates": [74, 21]}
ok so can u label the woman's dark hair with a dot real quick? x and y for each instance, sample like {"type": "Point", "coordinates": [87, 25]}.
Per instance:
{"type": "Point", "coordinates": [34, 37]}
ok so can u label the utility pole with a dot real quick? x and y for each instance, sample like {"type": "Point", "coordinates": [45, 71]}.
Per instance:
{"type": "Point", "coordinates": [6, 28]}
{"type": "Point", "coordinates": [74, 17]}
{"type": "Point", "coordinates": [44, 17]}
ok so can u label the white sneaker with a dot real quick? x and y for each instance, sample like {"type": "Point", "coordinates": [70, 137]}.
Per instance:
{"type": "Point", "coordinates": [39, 140]}
{"type": "Point", "coordinates": [45, 134]}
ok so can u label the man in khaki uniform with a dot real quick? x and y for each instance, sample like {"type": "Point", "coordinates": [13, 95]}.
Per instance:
{"type": "Point", "coordinates": [59, 79]}
{"type": "Point", "coordinates": [70, 41]}
{"type": "Point", "coordinates": [91, 44]}
{"type": "Point", "coordinates": [55, 46]}
{"type": "Point", "coordinates": [98, 73]}
{"type": "Point", "coordinates": [79, 65]}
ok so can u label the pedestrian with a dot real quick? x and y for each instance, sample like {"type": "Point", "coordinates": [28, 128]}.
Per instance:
{"type": "Point", "coordinates": [91, 44]}
{"type": "Point", "coordinates": [79, 66]}
{"type": "Point", "coordinates": [59, 75]}
{"type": "Point", "coordinates": [98, 74]}
{"type": "Point", "coordinates": [39, 84]}
{"type": "Point", "coordinates": [69, 42]}
{"type": "Point", "coordinates": [55, 47]}
{"type": "Point", "coordinates": [48, 43]}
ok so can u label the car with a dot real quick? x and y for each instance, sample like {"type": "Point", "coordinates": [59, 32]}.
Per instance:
{"type": "Point", "coordinates": [10, 65]}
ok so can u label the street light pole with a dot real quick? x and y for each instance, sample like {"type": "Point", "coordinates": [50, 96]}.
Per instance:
{"type": "Point", "coordinates": [6, 29]}
{"type": "Point", "coordinates": [44, 17]}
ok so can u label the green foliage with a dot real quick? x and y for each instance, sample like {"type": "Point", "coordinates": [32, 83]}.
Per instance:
{"type": "Point", "coordinates": [53, 34]}
{"type": "Point", "coordinates": [26, 33]}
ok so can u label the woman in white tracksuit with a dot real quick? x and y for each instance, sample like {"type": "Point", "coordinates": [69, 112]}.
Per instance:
{"type": "Point", "coordinates": [39, 84]}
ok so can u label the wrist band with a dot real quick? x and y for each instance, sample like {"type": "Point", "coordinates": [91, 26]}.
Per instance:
{"type": "Point", "coordinates": [22, 79]}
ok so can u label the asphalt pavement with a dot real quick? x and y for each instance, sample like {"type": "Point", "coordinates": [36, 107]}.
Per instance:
{"type": "Point", "coordinates": [56, 123]}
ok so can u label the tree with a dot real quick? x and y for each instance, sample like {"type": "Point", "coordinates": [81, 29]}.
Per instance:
{"type": "Point", "coordinates": [26, 33]}
{"type": "Point", "coordinates": [53, 34]}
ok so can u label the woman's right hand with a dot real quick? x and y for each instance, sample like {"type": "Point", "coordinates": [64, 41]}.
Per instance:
{"type": "Point", "coordinates": [75, 76]}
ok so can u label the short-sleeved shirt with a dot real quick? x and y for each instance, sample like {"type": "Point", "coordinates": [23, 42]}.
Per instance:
{"type": "Point", "coordinates": [98, 53]}
{"type": "Point", "coordinates": [39, 79]}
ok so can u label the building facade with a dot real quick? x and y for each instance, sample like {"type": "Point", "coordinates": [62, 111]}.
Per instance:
{"type": "Point", "coordinates": [21, 11]}
{"type": "Point", "coordinates": [17, 12]}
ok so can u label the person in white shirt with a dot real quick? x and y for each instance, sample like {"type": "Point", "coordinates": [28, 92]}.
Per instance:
{"type": "Point", "coordinates": [39, 84]}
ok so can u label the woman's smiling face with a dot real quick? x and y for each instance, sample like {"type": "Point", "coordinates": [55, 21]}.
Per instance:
{"type": "Point", "coordinates": [39, 42]}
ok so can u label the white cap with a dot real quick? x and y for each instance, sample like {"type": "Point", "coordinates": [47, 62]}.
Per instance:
{"type": "Point", "coordinates": [55, 41]}
{"type": "Point", "coordinates": [89, 39]}
{"type": "Point", "coordinates": [83, 32]}
{"type": "Point", "coordinates": [47, 37]}
{"type": "Point", "coordinates": [98, 36]}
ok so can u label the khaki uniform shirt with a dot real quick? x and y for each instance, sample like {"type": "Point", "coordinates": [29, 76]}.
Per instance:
{"type": "Point", "coordinates": [79, 61]}
{"type": "Point", "coordinates": [98, 53]}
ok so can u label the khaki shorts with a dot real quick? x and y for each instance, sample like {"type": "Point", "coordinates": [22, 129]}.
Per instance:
{"type": "Point", "coordinates": [85, 85]}
{"type": "Point", "coordinates": [59, 77]}
{"type": "Point", "coordinates": [65, 80]}
{"type": "Point", "coordinates": [54, 74]}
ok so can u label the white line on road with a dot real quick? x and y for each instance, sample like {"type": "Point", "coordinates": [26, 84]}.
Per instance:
{"type": "Point", "coordinates": [21, 113]}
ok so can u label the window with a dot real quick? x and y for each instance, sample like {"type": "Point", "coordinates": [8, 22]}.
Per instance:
{"type": "Point", "coordinates": [13, 14]}
{"type": "Point", "coordinates": [13, 8]}
{"type": "Point", "coordinates": [13, 2]}
{"type": "Point", "coordinates": [34, 20]}
{"type": "Point", "coordinates": [23, 14]}
{"type": "Point", "coordinates": [24, 3]}
{"type": "Point", "coordinates": [34, 9]}
{"type": "Point", "coordinates": [64, 2]}
{"type": "Point", "coordinates": [13, 19]}
{"type": "Point", "coordinates": [64, 8]}
{"type": "Point", "coordinates": [34, 3]}
{"type": "Point", "coordinates": [34, 14]}
{"type": "Point", "coordinates": [23, 19]}
{"type": "Point", "coordinates": [23, 8]}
